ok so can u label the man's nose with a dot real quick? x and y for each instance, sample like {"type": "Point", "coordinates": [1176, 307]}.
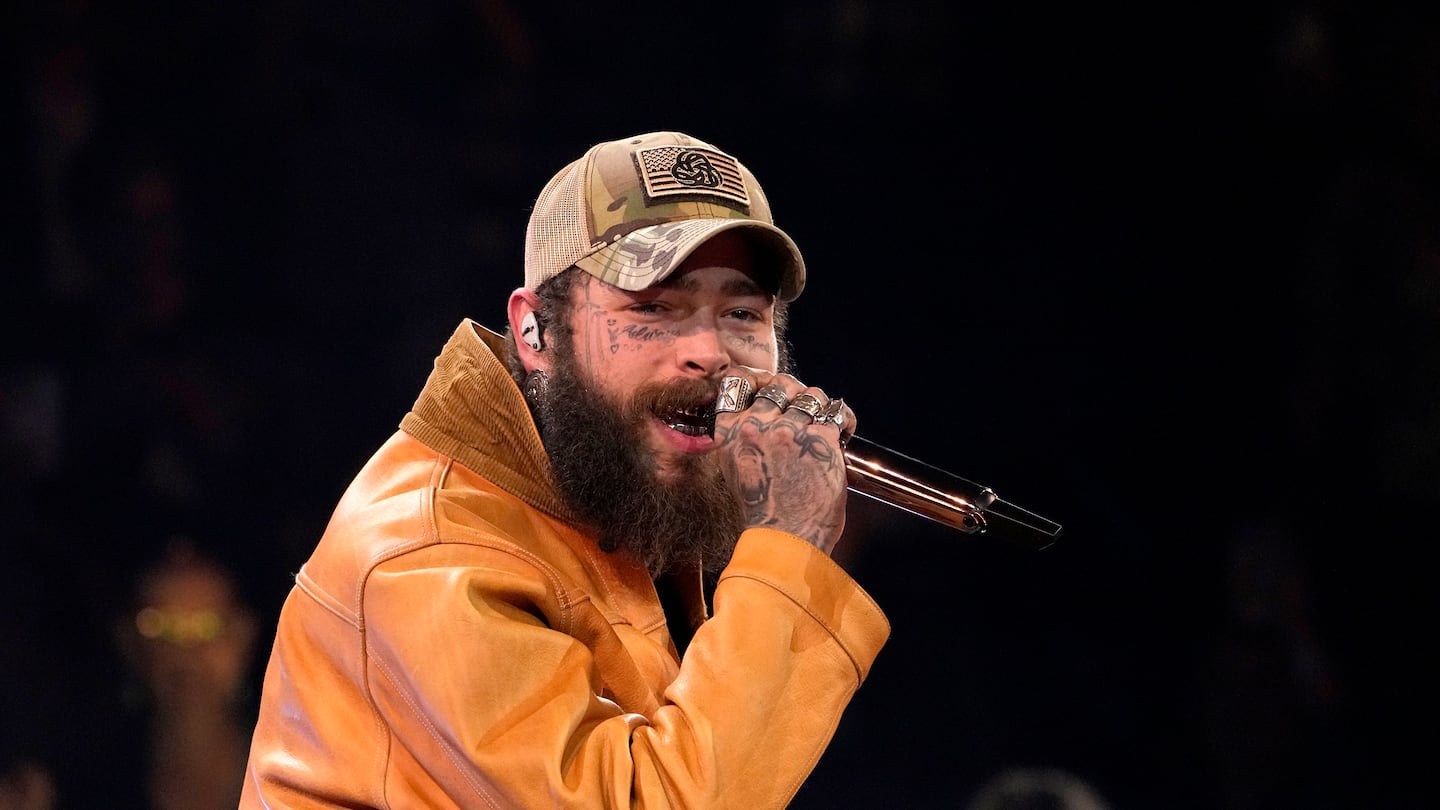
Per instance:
{"type": "Point", "coordinates": [702, 350]}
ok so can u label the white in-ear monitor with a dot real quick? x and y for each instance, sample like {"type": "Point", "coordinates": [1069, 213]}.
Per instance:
{"type": "Point", "coordinates": [530, 332]}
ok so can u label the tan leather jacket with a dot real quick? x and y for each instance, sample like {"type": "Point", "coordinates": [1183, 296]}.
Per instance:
{"type": "Point", "coordinates": [454, 641]}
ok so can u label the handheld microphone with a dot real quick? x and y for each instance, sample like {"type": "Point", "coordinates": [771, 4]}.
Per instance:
{"type": "Point", "coordinates": [893, 478]}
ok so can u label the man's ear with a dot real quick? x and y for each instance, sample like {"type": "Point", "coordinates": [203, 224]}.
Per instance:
{"type": "Point", "coordinates": [524, 312]}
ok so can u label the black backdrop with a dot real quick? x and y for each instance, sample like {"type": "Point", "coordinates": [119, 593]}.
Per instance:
{"type": "Point", "coordinates": [1168, 277]}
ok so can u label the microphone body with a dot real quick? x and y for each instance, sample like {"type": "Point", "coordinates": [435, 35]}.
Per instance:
{"type": "Point", "coordinates": [893, 478]}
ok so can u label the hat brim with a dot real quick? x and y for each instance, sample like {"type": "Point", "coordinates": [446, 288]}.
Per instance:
{"type": "Point", "coordinates": [648, 255]}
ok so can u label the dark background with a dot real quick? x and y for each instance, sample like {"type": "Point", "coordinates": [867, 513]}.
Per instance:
{"type": "Point", "coordinates": [1169, 277]}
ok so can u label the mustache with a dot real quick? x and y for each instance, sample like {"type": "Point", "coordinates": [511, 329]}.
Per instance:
{"type": "Point", "coordinates": [676, 395]}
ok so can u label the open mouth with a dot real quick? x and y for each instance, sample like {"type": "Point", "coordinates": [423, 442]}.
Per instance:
{"type": "Point", "coordinates": [693, 421]}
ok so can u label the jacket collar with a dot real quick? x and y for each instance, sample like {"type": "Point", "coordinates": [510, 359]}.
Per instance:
{"type": "Point", "coordinates": [471, 409]}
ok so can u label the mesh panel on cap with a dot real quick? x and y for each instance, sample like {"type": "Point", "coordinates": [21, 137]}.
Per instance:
{"type": "Point", "coordinates": [557, 234]}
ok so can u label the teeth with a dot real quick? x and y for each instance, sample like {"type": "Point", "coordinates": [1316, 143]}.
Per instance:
{"type": "Point", "coordinates": [695, 421]}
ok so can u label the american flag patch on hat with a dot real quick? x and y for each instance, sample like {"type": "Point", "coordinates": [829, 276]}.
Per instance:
{"type": "Point", "coordinates": [693, 173]}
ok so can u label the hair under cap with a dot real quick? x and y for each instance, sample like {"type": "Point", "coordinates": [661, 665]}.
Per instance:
{"type": "Point", "coordinates": [630, 211]}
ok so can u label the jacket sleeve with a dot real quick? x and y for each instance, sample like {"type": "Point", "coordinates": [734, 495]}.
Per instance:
{"type": "Point", "coordinates": [496, 703]}
{"type": "Point", "coordinates": [765, 680]}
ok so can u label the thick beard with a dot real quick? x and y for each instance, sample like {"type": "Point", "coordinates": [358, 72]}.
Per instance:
{"type": "Point", "coordinates": [608, 475]}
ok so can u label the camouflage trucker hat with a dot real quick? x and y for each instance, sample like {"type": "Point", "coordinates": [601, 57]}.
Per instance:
{"type": "Point", "coordinates": [630, 211]}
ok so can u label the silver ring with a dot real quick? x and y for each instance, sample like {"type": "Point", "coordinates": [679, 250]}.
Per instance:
{"type": "Point", "coordinates": [809, 405]}
{"type": "Point", "coordinates": [734, 395]}
{"type": "Point", "coordinates": [775, 394]}
{"type": "Point", "coordinates": [834, 414]}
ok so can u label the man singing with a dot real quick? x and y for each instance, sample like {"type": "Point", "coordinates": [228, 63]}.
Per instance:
{"type": "Point", "coordinates": [592, 567]}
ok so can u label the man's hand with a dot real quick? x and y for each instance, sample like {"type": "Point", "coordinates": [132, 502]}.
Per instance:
{"type": "Point", "coordinates": [782, 450]}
